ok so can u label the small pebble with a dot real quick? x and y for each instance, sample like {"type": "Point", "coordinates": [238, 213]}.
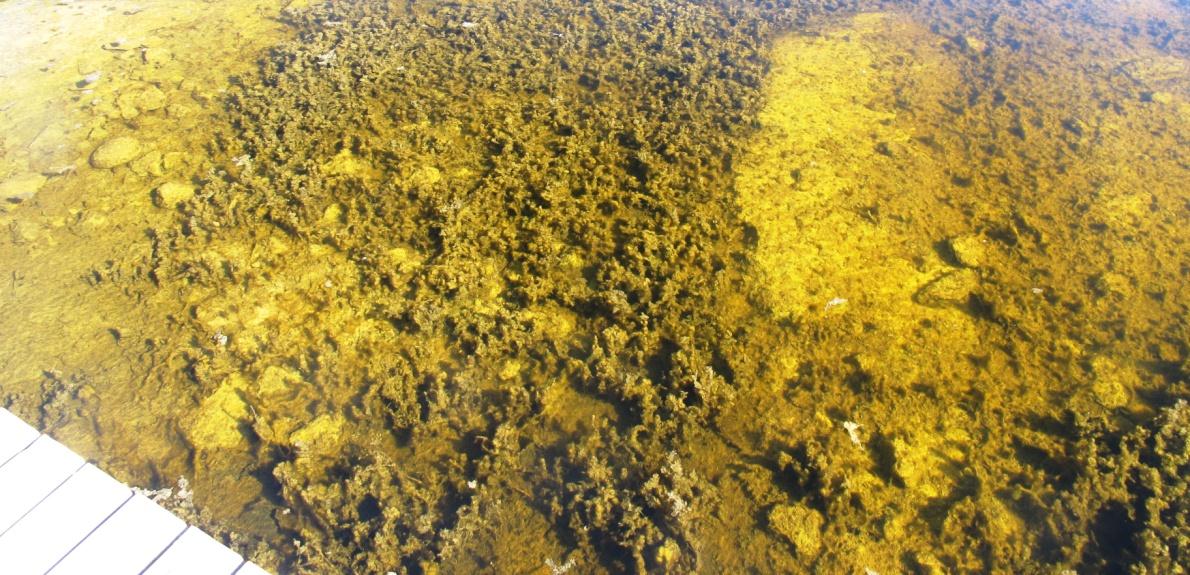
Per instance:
{"type": "Point", "coordinates": [90, 79]}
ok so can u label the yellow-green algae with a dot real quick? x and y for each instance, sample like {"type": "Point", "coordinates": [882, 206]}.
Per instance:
{"type": "Point", "coordinates": [821, 167]}
{"type": "Point", "coordinates": [538, 287]}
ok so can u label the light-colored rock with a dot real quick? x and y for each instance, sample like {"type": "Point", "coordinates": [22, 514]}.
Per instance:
{"type": "Point", "coordinates": [179, 111]}
{"type": "Point", "coordinates": [277, 381]}
{"type": "Point", "coordinates": [217, 424]}
{"type": "Point", "coordinates": [155, 55]}
{"type": "Point", "coordinates": [425, 176]}
{"type": "Point", "coordinates": [171, 194]}
{"type": "Point", "coordinates": [968, 250]}
{"type": "Point", "coordinates": [667, 555]}
{"type": "Point", "coordinates": [1112, 283]}
{"type": "Point", "coordinates": [511, 370]}
{"type": "Point", "coordinates": [920, 463]}
{"type": "Point", "coordinates": [172, 160]}
{"type": "Point", "coordinates": [22, 186]}
{"type": "Point", "coordinates": [1113, 383]}
{"type": "Point", "coordinates": [148, 164]}
{"type": "Point", "coordinates": [115, 152]}
{"type": "Point", "coordinates": [150, 99]}
{"type": "Point", "coordinates": [96, 133]}
{"type": "Point", "coordinates": [333, 214]}
{"type": "Point", "coordinates": [139, 100]}
{"type": "Point", "coordinates": [24, 231]}
{"type": "Point", "coordinates": [53, 147]}
{"type": "Point", "coordinates": [324, 435]}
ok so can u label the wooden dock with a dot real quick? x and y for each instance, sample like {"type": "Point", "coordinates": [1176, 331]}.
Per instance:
{"type": "Point", "coordinates": [63, 516]}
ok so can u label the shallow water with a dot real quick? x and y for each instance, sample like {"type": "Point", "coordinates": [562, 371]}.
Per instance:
{"type": "Point", "coordinates": [543, 287]}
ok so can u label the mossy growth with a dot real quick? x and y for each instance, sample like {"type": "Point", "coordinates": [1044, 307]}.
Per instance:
{"type": "Point", "coordinates": [685, 287]}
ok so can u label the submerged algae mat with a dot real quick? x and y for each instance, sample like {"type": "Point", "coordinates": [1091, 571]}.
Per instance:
{"type": "Point", "coordinates": [717, 287]}
{"type": "Point", "coordinates": [981, 274]}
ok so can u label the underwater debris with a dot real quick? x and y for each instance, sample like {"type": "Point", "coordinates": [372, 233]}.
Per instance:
{"type": "Point", "coordinates": [559, 569]}
{"type": "Point", "coordinates": [180, 498]}
{"type": "Point", "coordinates": [118, 45]}
{"type": "Point", "coordinates": [950, 289]}
{"type": "Point", "coordinates": [852, 429]}
{"type": "Point", "coordinates": [325, 59]}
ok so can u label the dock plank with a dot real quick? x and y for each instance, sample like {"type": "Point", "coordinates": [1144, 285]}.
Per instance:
{"type": "Point", "coordinates": [31, 475]}
{"type": "Point", "coordinates": [196, 553]}
{"type": "Point", "coordinates": [251, 569]}
{"type": "Point", "coordinates": [62, 514]}
{"type": "Point", "coordinates": [126, 543]}
{"type": "Point", "coordinates": [51, 529]}
{"type": "Point", "coordinates": [15, 435]}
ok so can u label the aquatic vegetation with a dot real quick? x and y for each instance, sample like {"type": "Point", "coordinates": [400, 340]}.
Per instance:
{"type": "Point", "coordinates": [650, 287]}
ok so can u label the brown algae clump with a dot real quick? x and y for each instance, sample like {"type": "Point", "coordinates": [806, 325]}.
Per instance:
{"type": "Point", "coordinates": [469, 245]}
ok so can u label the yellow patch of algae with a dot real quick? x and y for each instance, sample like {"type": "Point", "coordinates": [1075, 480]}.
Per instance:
{"type": "Point", "coordinates": [345, 163]}
{"type": "Point", "coordinates": [799, 525]}
{"type": "Point", "coordinates": [929, 463]}
{"type": "Point", "coordinates": [805, 182]}
{"type": "Point", "coordinates": [855, 240]}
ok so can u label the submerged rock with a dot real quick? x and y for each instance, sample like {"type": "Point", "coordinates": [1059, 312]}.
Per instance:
{"type": "Point", "coordinates": [799, 525]}
{"type": "Point", "coordinates": [1113, 383]}
{"type": "Point", "coordinates": [24, 232]}
{"type": "Point", "coordinates": [170, 194]}
{"type": "Point", "coordinates": [323, 436]}
{"type": "Point", "coordinates": [148, 164]}
{"type": "Point", "coordinates": [115, 152]}
{"type": "Point", "coordinates": [951, 289]}
{"type": "Point", "coordinates": [217, 424]}
{"type": "Point", "coordinates": [134, 102]}
{"type": "Point", "coordinates": [89, 79]}
{"type": "Point", "coordinates": [21, 187]}
{"type": "Point", "coordinates": [968, 250]}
